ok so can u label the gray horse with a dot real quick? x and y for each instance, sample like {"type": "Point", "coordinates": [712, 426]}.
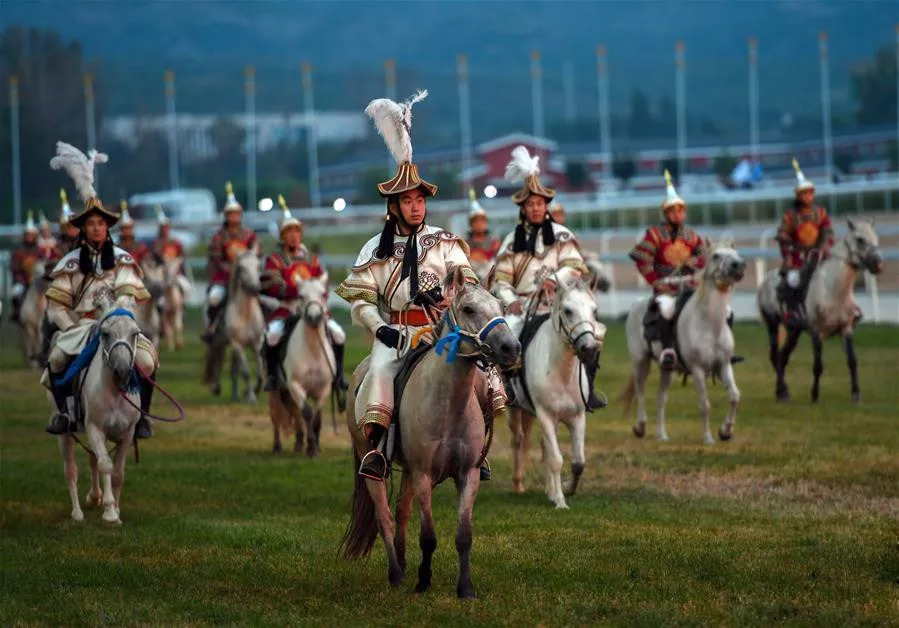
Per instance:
{"type": "Point", "coordinates": [705, 341]}
{"type": "Point", "coordinates": [442, 431]}
{"type": "Point", "coordinates": [829, 304]}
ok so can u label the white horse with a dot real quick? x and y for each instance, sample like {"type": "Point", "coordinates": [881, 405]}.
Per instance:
{"type": "Point", "coordinates": [704, 340]}
{"type": "Point", "coordinates": [829, 304]}
{"type": "Point", "coordinates": [147, 313]}
{"type": "Point", "coordinates": [243, 328]}
{"type": "Point", "coordinates": [309, 368]}
{"type": "Point", "coordinates": [557, 386]}
{"type": "Point", "coordinates": [31, 313]}
{"type": "Point", "coordinates": [108, 416]}
{"type": "Point", "coordinates": [175, 286]}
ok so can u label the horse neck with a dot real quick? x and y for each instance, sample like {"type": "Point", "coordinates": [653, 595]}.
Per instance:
{"type": "Point", "coordinates": [559, 351]}
{"type": "Point", "coordinates": [710, 302]}
{"type": "Point", "coordinates": [243, 302]}
{"type": "Point", "coordinates": [438, 376]}
{"type": "Point", "coordinates": [837, 274]}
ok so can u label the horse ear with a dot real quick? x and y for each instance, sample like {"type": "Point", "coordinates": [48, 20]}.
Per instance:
{"type": "Point", "coordinates": [455, 279]}
{"type": "Point", "coordinates": [851, 224]}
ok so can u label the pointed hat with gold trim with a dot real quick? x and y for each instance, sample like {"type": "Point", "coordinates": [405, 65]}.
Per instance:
{"type": "Point", "coordinates": [671, 197]}
{"type": "Point", "coordinates": [802, 183]}
{"type": "Point", "coordinates": [394, 123]}
{"type": "Point", "coordinates": [287, 219]}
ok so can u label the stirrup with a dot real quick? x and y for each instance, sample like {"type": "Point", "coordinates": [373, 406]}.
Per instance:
{"type": "Point", "coordinates": [271, 384]}
{"type": "Point", "coordinates": [486, 471]}
{"type": "Point", "coordinates": [373, 466]}
{"type": "Point", "coordinates": [668, 360]}
{"type": "Point", "coordinates": [61, 424]}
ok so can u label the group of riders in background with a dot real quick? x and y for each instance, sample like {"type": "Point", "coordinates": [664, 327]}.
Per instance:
{"type": "Point", "coordinates": [393, 285]}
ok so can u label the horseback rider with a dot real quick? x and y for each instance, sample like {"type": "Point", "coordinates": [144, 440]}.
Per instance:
{"type": "Point", "coordinates": [166, 247]}
{"type": "Point", "coordinates": [46, 241]}
{"type": "Point", "coordinates": [668, 257]}
{"type": "Point", "coordinates": [227, 243]}
{"type": "Point", "coordinates": [22, 261]}
{"type": "Point", "coordinates": [284, 271]}
{"type": "Point", "coordinates": [93, 269]}
{"type": "Point", "coordinates": [482, 246]}
{"type": "Point", "coordinates": [68, 233]}
{"type": "Point", "coordinates": [536, 247]}
{"type": "Point", "coordinates": [557, 211]}
{"type": "Point", "coordinates": [396, 274]}
{"type": "Point", "coordinates": [126, 242]}
{"type": "Point", "coordinates": [805, 236]}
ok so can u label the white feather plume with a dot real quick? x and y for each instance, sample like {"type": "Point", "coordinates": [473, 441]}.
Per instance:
{"type": "Point", "coordinates": [522, 165]}
{"type": "Point", "coordinates": [79, 167]}
{"type": "Point", "coordinates": [394, 123]}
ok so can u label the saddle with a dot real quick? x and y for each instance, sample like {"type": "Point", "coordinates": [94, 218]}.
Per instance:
{"type": "Point", "coordinates": [410, 361]}
{"type": "Point", "coordinates": [289, 324]}
{"type": "Point", "coordinates": [514, 379]}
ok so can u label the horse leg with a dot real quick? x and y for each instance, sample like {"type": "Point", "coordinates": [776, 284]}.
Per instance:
{"type": "Point", "coordinates": [783, 357]}
{"type": "Point", "coordinates": [552, 462]}
{"type": "Point", "coordinates": [467, 488]}
{"type": "Point", "coordinates": [578, 459]}
{"type": "Point", "coordinates": [235, 369]}
{"type": "Point", "coordinates": [703, 394]}
{"type": "Point", "coordinates": [97, 441]}
{"type": "Point", "coordinates": [726, 373]}
{"type": "Point", "coordinates": [403, 510]}
{"type": "Point", "coordinates": [317, 430]}
{"type": "Point", "coordinates": [94, 496]}
{"type": "Point", "coordinates": [378, 493]}
{"type": "Point", "coordinates": [849, 347]}
{"type": "Point", "coordinates": [260, 367]}
{"type": "Point", "coordinates": [773, 326]}
{"type": "Point", "coordinates": [427, 539]}
{"type": "Point", "coordinates": [118, 476]}
{"type": "Point", "coordinates": [518, 452]}
{"type": "Point", "coordinates": [70, 470]}
{"type": "Point", "coordinates": [245, 374]}
{"type": "Point", "coordinates": [818, 367]}
{"type": "Point", "coordinates": [179, 327]}
{"type": "Point", "coordinates": [641, 372]}
{"type": "Point", "coordinates": [665, 378]}
{"type": "Point", "coordinates": [277, 412]}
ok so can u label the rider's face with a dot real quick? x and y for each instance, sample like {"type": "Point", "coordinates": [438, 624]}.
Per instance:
{"type": "Point", "coordinates": [95, 229]}
{"type": "Point", "coordinates": [232, 219]}
{"type": "Point", "coordinates": [293, 238]}
{"type": "Point", "coordinates": [29, 237]}
{"type": "Point", "coordinates": [807, 197]}
{"type": "Point", "coordinates": [413, 205]}
{"type": "Point", "coordinates": [676, 214]}
{"type": "Point", "coordinates": [535, 209]}
{"type": "Point", "coordinates": [127, 232]}
{"type": "Point", "coordinates": [70, 230]}
{"type": "Point", "coordinates": [163, 231]}
{"type": "Point", "coordinates": [479, 224]}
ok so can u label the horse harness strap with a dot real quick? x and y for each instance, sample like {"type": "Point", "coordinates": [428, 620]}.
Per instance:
{"type": "Point", "coordinates": [528, 333]}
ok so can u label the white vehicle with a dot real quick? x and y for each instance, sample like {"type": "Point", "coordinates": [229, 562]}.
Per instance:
{"type": "Point", "coordinates": [191, 212]}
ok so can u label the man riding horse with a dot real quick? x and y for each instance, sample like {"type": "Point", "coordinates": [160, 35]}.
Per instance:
{"type": "Point", "coordinates": [81, 281]}
{"type": "Point", "coordinates": [165, 247]}
{"type": "Point", "coordinates": [68, 233]}
{"type": "Point", "coordinates": [227, 243]}
{"type": "Point", "coordinates": [396, 275]}
{"type": "Point", "coordinates": [482, 246]}
{"type": "Point", "coordinates": [805, 237]}
{"type": "Point", "coordinates": [46, 241]}
{"type": "Point", "coordinates": [668, 257]}
{"type": "Point", "coordinates": [284, 271]}
{"type": "Point", "coordinates": [126, 242]}
{"type": "Point", "coordinates": [537, 250]}
{"type": "Point", "coordinates": [22, 261]}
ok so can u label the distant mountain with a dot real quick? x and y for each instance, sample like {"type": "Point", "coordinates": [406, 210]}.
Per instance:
{"type": "Point", "coordinates": [209, 43]}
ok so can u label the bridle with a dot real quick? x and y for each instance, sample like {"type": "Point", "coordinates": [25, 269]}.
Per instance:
{"type": "Point", "coordinates": [457, 336]}
{"type": "Point", "coordinates": [575, 332]}
{"type": "Point", "coordinates": [130, 345]}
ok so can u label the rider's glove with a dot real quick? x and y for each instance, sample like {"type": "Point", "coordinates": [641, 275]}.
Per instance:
{"type": "Point", "coordinates": [388, 336]}
{"type": "Point", "coordinates": [431, 297]}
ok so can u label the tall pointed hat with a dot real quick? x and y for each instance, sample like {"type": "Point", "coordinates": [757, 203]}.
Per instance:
{"type": "Point", "coordinates": [671, 196]}
{"type": "Point", "coordinates": [231, 204]}
{"type": "Point", "coordinates": [30, 227]}
{"type": "Point", "coordinates": [475, 208]}
{"type": "Point", "coordinates": [394, 123]}
{"type": "Point", "coordinates": [42, 221]}
{"type": "Point", "coordinates": [65, 212]}
{"type": "Point", "coordinates": [80, 168]}
{"type": "Point", "coordinates": [287, 219]}
{"type": "Point", "coordinates": [126, 220]}
{"type": "Point", "coordinates": [802, 183]}
{"type": "Point", "coordinates": [161, 218]}
{"type": "Point", "coordinates": [525, 168]}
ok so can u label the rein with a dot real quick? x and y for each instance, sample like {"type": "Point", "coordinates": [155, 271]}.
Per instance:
{"type": "Point", "coordinates": [165, 394]}
{"type": "Point", "coordinates": [456, 336]}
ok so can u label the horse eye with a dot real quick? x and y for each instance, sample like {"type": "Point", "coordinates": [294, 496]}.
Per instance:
{"type": "Point", "coordinates": [716, 256]}
{"type": "Point", "coordinates": [567, 311]}
{"type": "Point", "coordinates": [467, 310]}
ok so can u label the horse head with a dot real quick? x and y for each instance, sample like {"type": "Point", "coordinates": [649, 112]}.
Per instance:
{"type": "Point", "coordinates": [118, 333]}
{"type": "Point", "coordinates": [38, 278]}
{"type": "Point", "coordinates": [597, 274]}
{"type": "Point", "coordinates": [724, 266]}
{"type": "Point", "coordinates": [314, 300]}
{"type": "Point", "coordinates": [154, 275]}
{"type": "Point", "coordinates": [245, 272]}
{"type": "Point", "coordinates": [574, 315]}
{"type": "Point", "coordinates": [479, 317]}
{"type": "Point", "coordinates": [862, 243]}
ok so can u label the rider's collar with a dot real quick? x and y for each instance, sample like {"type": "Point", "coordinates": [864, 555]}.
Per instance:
{"type": "Point", "coordinates": [416, 231]}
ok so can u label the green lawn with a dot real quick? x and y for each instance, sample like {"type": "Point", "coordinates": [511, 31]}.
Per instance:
{"type": "Point", "coordinates": [796, 519]}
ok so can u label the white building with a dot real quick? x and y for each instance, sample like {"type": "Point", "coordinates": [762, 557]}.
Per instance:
{"type": "Point", "coordinates": [195, 130]}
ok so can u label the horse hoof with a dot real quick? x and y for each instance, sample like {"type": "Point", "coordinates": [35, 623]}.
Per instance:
{"type": "Point", "coordinates": [639, 430]}
{"type": "Point", "coordinates": [395, 576]}
{"type": "Point", "coordinates": [725, 435]}
{"type": "Point", "coordinates": [421, 587]}
{"type": "Point", "coordinates": [77, 515]}
{"type": "Point", "coordinates": [708, 440]}
{"type": "Point", "coordinates": [276, 449]}
{"type": "Point", "coordinates": [251, 399]}
{"type": "Point", "coordinates": [857, 399]}
{"type": "Point", "coordinates": [91, 500]}
{"type": "Point", "coordinates": [518, 487]}
{"type": "Point", "coordinates": [561, 505]}
{"type": "Point", "coordinates": [662, 437]}
{"type": "Point", "coordinates": [783, 398]}
{"type": "Point", "coordinates": [465, 592]}
{"type": "Point", "coordinates": [112, 517]}
{"type": "Point", "coordinates": [216, 390]}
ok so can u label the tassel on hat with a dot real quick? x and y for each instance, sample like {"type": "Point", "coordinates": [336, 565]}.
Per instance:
{"type": "Point", "coordinates": [287, 219]}
{"type": "Point", "coordinates": [65, 212]}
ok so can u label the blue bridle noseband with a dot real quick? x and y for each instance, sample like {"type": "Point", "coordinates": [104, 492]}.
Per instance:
{"type": "Point", "coordinates": [457, 336]}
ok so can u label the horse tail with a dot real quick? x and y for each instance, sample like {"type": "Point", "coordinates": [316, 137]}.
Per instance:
{"type": "Point", "coordinates": [362, 529]}
{"type": "Point", "coordinates": [627, 395]}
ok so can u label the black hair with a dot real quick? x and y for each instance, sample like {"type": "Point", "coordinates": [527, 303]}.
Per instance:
{"type": "Point", "coordinates": [524, 243]}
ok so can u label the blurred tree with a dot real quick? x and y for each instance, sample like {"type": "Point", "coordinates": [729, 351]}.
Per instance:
{"type": "Point", "coordinates": [577, 174]}
{"type": "Point", "coordinates": [641, 121]}
{"type": "Point", "coordinates": [874, 88]}
{"type": "Point", "coordinates": [624, 168]}
{"type": "Point", "coordinates": [843, 160]}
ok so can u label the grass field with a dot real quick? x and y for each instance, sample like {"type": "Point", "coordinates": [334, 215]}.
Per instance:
{"type": "Point", "coordinates": [795, 520]}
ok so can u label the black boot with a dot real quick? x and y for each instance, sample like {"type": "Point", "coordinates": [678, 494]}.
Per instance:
{"type": "Point", "coordinates": [62, 422]}
{"type": "Point", "coordinates": [593, 401]}
{"type": "Point", "coordinates": [340, 386]}
{"type": "Point", "coordinates": [734, 359]}
{"type": "Point", "coordinates": [668, 357]}
{"type": "Point", "coordinates": [144, 429]}
{"type": "Point", "coordinates": [374, 464]}
{"type": "Point", "coordinates": [212, 315]}
{"type": "Point", "coordinates": [271, 367]}
{"type": "Point", "coordinates": [15, 306]}
{"type": "Point", "coordinates": [486, 473]}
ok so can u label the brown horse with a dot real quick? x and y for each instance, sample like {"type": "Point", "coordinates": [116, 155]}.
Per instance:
{"type": "Point", "coordinates": [442, 431]}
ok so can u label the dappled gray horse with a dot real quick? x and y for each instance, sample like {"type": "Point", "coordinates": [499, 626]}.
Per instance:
{"type": "Point", "coordinates": [442, 435]}
{"type": "Point", "coordinates": [705, 344]}
{"type": "Point", "coordinates": [829, 305]}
